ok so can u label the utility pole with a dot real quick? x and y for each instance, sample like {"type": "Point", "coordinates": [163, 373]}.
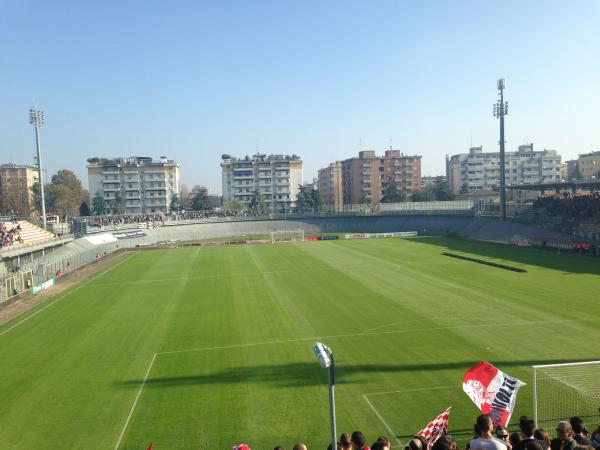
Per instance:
{"type": "Point", "coordinates": [36, 118]}
{"type": "Point", "coordinates": [501, 110]}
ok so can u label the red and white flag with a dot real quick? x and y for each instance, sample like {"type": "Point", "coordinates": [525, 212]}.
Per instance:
{"type": "Point", "coordinates": [436, 428]}
{"type": "Point", "coordinates": [493, 391]}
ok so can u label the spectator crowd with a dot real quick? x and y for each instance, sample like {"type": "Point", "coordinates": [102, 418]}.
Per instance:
{"type": "Point", "coordinates": [570, 435]}
{"type": "Point", "coordinates": [11, 234]}
{"type": "Point", "coordinates": [574, 206]}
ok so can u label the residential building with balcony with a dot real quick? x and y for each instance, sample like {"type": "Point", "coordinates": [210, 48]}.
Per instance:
{"type": "Point", "coordinates": [273, 179]}
{"type": "Point", "coordinates": [141, 184]}
{"type": "Point", "coordinates": [16, 196]}
{"type": "Point", "coordinates": [365, 178]}
{"type": "Point", "coordinates": [479, 171]}
{"type": "Point", "coordinates": [331, 186]}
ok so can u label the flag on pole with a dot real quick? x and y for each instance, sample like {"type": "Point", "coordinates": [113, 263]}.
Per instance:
{"type": "Point", "coordinates": [493, 391]}
{"type": "Point", "coordinates": [436, 428]}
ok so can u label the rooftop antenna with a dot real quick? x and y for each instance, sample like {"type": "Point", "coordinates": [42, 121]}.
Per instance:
{"type": "Point", "coordinates": [391, 147]}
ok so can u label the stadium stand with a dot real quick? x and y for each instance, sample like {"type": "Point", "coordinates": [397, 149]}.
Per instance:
{"type": "Point", "coordinates": [22, 232]}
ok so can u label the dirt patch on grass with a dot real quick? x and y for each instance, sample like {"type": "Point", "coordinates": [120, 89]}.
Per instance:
{"type": "Point", "coordinates": [25, 301]}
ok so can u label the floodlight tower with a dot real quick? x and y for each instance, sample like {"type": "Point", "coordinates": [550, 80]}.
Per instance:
{"type": "Point", "coordinates": [501, 110]}
{"type": "Point", "coordinates": [36, 118]}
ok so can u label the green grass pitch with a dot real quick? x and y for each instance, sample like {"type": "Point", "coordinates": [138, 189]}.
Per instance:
{"type": "Point", "coordinates": [222, 338]}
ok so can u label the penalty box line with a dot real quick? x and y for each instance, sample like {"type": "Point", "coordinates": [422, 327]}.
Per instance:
{"type": "Point", "coordinates": [380, 417]}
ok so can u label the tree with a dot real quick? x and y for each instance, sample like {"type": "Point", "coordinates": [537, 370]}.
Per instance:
{"type": "Point", "coordinates": [84, 209]}
{"type": "Point", "coordinates": [392, 194]}
{"type": "Point", "coordinates": [256, 202]}
{"type": "Point", "coordinates": [98, 204]}
{"type": "Point", "coordinates": [234, 205]}
{"type": "Point", "coordinates": [441, 190]}
{"type": "Point", "coordinates": [175, 203]}
{"type": "Point", "coordinates": [305, 199]}
{"type": "Point", "coordinates": [184, 196]}
{"type": "Point", "coordinates": [200, 200]}
{"type": "Point", "coordinates": [316, 199]}
{"type": "Point", "coordinates": [464, 189]}
{"type": "Point", "coordinates": [424, 195]}
{"type": "Point", "coordinates": [65, 193]}
{"type": "Point", "coordinates": [117, 206]}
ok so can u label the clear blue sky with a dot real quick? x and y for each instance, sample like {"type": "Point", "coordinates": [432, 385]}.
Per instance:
{"type": "Point", "coordinates": [196, 79]}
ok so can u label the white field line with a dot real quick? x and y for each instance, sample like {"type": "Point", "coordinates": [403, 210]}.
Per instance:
{"type": "Point", "coordinates": [63, 296]}
{"type": "Point", "coordinates": [135, 402]}
{"type": "Point", "coordinates": [385, 424]}
{"type": "Point", "coordinates": [338, 336]}
{"type": "Point", "coordinates": [409, 390]}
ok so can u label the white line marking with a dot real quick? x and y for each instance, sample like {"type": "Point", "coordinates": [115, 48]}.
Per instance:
{"type": "Point", "coordinates": [381, 419]}
{"type": "Point", "coordinates": [137, 397]}
{"type": "Point", "coordinates": [410, 390]}
{"type": "Point", "coordinates": [337, 336]}
{"type": "Point", "coordinates": [63, 296]}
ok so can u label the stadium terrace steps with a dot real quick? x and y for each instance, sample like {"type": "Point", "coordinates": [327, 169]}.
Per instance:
{"type": "Point", "coordinates": [30, 233]}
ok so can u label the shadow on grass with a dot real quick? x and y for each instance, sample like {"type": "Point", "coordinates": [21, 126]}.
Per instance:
{"type": "Point", "coordinates": [566, 261]}
{"type": "Point", "coordinates": [301, 374]}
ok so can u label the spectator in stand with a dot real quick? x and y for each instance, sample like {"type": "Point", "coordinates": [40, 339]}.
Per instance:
{"type": "Point", "coordinates": [385, 440]}
{"type": "Point", "coordinates": [300, 446]}
{"type": "Point", "coordinates": [564, 439]}
{"type": "Point", "coordinates": [542, 435]}
{"type": "Point", "coordinates": [345, 441]}
{"type": "Point", "coordinates": [580, 433]}
{"type": "Point", "coordinates": [443, 443]}
{"type": "Point", "coordinates": [486, 441]}
{"type": "Point", "coordinates": [359, 442]}
{"type": "Point", "coordinates": [514, 439]}
{"type": "Point", "coordinates": [380, 445]}
{"type": "Point", "coordinates": [533, 445]}
{"type": "Point", "coordinates": [502, 434]}
{"type": "Point", "coordinates": [527, 427]}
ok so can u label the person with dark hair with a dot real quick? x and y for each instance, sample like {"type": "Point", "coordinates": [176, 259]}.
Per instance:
{"type": "Point", "coordinates": [279, 447]}
{"type": "Point", "coordinates": [532, 445]}
{"type": "Point", "coordinates": [345, 442]}
{"type": "Point", "coordinates": [442, 443]}
{"type": "Point", "coordinates": [380, 445]}
{"type": "Point", "coordinates": [564, 439]}
{"type": "Point", "coordinates": [580, 432]}
{"type": "Point", "coordinates": [486, 441]}
{"type": "Point", "coordinates": [502, 434]}
{"type": "Point", "coordinates": [385, 440]}
{"type": "Point", "coordinates": [339, 447]}
{"type": "Point", "coordinates": [416, 443]}
{"type": "Point", "coordinates": [527, 427]}
{"type": "Point", "coordinates": [542, 435]}
{"type": "Point", "coordinates": [514, 439]}
{"type": "Point", "coordinates": [359, 441]}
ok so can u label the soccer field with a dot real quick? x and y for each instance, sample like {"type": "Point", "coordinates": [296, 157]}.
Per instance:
{"type": "Point", "coordinates": [202, 348]}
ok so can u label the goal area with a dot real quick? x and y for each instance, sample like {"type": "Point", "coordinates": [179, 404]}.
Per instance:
{"type": "Point", "coordinates": [561, 391]}
{"type": "Point", "coordinates": [287, 236]}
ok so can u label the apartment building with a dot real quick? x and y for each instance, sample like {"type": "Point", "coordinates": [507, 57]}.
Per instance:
{"type": "Point", "coordinates": [139, 183]}
{"type": "Point", "coordinates": [331, 186]}
{"type": "Point", "coordinates": [275, 178]}
{"type": "Point", "coordinates": [16, 197]}
{"type": "Point", "coordinates": [477, 170]}
{"type": "Point", "coordinates": [588, 165]}
{"type": "Point", "coordinates": [366, 177]}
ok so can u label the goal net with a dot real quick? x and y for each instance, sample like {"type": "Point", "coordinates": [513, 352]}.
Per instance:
{"type": "Point", "coordinates": [561, 391]}
{"type": "Point", "coordinates": [287, 236]}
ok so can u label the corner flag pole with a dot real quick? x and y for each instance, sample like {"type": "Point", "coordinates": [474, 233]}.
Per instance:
{"type": "Point", "coordinates": [325, 358]}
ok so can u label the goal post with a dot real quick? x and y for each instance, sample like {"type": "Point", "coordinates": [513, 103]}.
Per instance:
{"type": "Point", "coordinates": [26, 278]}
{"type": "Point", "coordinates": [10, 284]}
{"type": "Point", "coordinates": [287, 236]}
{"type": "Point", "coordinates": [561, 391]}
